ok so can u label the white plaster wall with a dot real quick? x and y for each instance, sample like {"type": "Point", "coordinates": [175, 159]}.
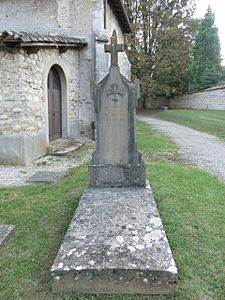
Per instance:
{"type": "Point", "coordinates": [102, 36]}
{"type": "Point", "coordinates": [36, 16]}
{"type": "Point", "coordinates": [112, 24]}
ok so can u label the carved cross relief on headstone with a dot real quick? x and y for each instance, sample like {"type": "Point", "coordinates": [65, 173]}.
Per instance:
{"type": "Point", "coordinates": [116, 161]}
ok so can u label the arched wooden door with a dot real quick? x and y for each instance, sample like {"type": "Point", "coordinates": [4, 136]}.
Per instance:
{"type": "Point", "coordinates": [54, 105]}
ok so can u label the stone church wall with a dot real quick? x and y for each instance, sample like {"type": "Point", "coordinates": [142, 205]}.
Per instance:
{"type": "Point", "coordinates": [33, 15]}
{"type": "Point", "coordinates": [94, 61]}
{"type": "Point", "coordinates": [63, 17]}
{"type": "Point", "coordinates": [112, 24]}
{"type": "Point", "coordinates": [21, 92]}
{"type": "Point", "coordinates": [82, 26]}
{"type": "Point", "coordinates": [24, 101]}
{"type": "Point", "coordinates": [102, 36]}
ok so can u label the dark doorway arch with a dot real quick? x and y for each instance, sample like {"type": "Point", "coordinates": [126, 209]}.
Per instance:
{"type": "Point", "coordinates": [54, 105]}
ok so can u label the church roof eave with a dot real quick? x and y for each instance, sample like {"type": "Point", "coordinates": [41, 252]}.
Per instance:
{"type": "Point", "coordinates": [30, 39]}
{"type": "Point", "coordinates": [120, 12]}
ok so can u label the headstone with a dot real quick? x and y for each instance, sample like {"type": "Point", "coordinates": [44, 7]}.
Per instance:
{"type": "Point", "coordinates": [5, 231]}
{"type": "Point", "coordinates": [116, 161]}
{"type": "Point", "coordinates": [45, 177]}
{"type": "Point", "coordinates": [115, 242]}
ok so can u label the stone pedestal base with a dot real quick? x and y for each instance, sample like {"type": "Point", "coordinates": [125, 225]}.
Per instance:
{"type": "Point", "coordinates": [115, 244]}
{"type": "Point", "coordinates": [117, 176]}
{"type": "Point", "coordinates": [22, 150]}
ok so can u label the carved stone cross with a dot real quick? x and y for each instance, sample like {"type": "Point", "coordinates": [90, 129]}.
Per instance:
{"type": "Point", "coordinates": [114, 48]}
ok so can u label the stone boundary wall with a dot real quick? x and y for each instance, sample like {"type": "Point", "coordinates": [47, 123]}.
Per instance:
{"type": "Point", "coordinates": [160, 102]}
{"type": "Point", "coordinates": [212, 99]}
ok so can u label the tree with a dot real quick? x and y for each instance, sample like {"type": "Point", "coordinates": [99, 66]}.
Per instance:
{"type": "Point", "coordinates": [206, 67]}
{"type": "Point", "coordinates": [160, 46]}
{"type": "Point", "coordinates": [223, 75]}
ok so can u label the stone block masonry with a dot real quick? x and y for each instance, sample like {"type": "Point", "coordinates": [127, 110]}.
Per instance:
{"type": "Point", "coordinates": [115, 244]}
{"type": "Point", "coordinates": [24, 101]}
{"type": "Point", "coordinates": [211, 99]}
{"type": "Point", "coordinates": [23, 79]}
{"type": "Point", "coordinates": [22, 95]}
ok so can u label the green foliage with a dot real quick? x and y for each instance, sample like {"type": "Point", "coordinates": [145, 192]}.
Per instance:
{"type": "Point", "coordinates": [160, 46]}
{"type": "Point", "coordinates": [222, 80]}
{"type": "Point", "coordinates": [206, 62]}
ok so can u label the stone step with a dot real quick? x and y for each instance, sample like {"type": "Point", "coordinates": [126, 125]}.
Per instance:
{"type": "Point", "coordinates": [59, 144]}
{"type": "Point", "coordinates": [115, 244]}
{"type": "Point", "coordinates": [68, 149]}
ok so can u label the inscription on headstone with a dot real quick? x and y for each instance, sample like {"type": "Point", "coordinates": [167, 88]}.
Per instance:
{"type": "Point", "coordinates": [113, 124]}
{"type": "Point", "coordinates": [116, 161]}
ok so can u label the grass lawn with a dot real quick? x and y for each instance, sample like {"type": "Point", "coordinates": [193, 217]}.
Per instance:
{"type": "Point", "coordinates": [191, 203]}
{"type": "Point", "coordinates": [209, 121]}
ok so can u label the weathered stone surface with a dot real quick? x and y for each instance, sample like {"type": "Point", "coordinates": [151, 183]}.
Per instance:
{"type": "Point", "coordinates": [71, 18]}
{"type": "Point", "coordinates": [117, 175]}
{"type": "Point", "coordinates": [24, 99]}
{"type": "Point", "coordinates": [23, 76]}
{"type": "Point", "coordinates": [24, 90]}
{"type": "Point", "coordinates": [5, 231]}
{"type": "Point", "coordinates": [212, 99]}
{"type": "Point", "coordinates": [116, 160]}
{"type": "Point", "coordinates": [29, 38]}
{"type": "Point", "coordinates": [115, 244]}
{"type": "Point", "coordinates": [22, 149]}
{"type": "Point", "coordinates": [45, 177]}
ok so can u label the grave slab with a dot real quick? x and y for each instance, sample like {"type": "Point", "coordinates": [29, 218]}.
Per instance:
{"type": "Point", "coordinates": [115, 244]}
{"type": "Point", "coordinates": [5, 231]}
{"type": "Point", "coordinates": [45, 177]}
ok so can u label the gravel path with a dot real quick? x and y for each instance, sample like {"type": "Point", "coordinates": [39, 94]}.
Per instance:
{"type": "Point", "coordinates": [17, 176]}
{"type": "Point", "coordinates": [204, 150]}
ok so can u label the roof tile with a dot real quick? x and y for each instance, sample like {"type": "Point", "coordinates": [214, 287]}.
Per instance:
{"type": "Point", "coordinates": [26, 37]}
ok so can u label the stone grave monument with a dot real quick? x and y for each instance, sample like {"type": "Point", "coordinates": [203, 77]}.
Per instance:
{"type": "Point", "coordinates": [116, 161]}
{"type": "Point", "coordinates": [115, 242]}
